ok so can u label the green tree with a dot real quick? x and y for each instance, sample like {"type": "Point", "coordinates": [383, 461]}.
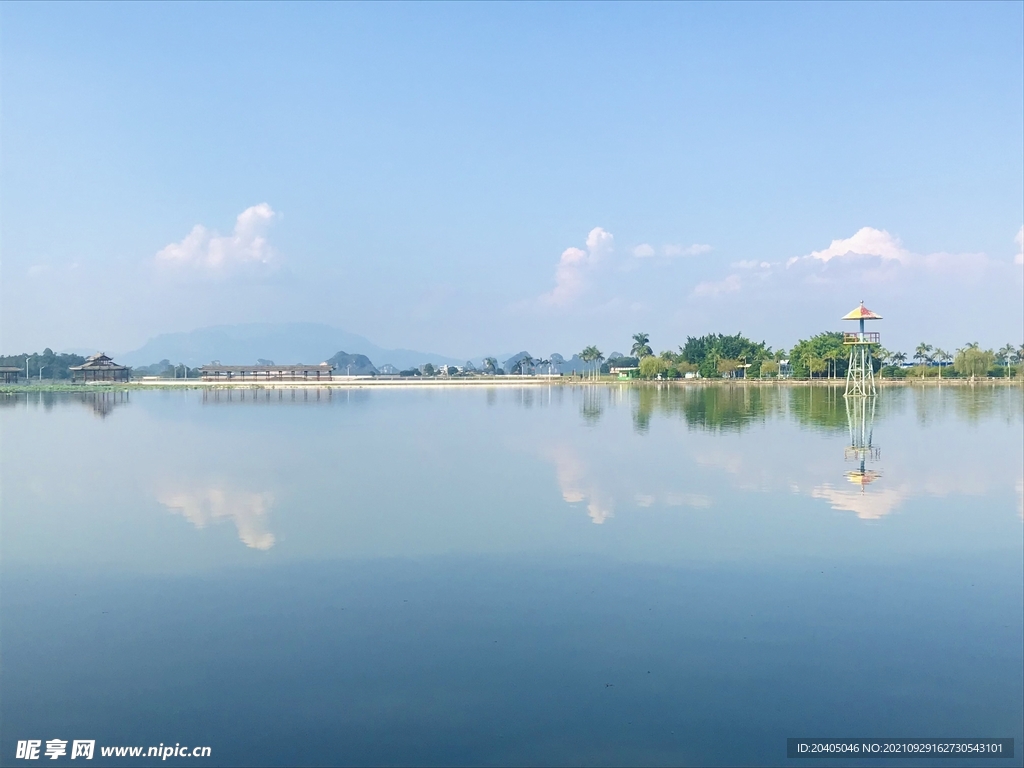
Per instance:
{"type": "Point", "coordinates": [641, 348]}
{"type": "Point", "coordinates": [705, 352]}
{"type": "Point", "coordinates": [651, 366]}
{"type": "Point", "coordinates": [942, 357]}
{"type": "Point", "coordinates": [818, 348]}
{"type": "Point", "coordinates": [428, 370]}
{"type": "Point", "coordinates": [726, 367]}
{"type": "Point", "coordinates": [831, 357]}
{"type": "Point", "coordinates": [973, 361]}
{"type": "Point", "coordinates": [769, 368]}
{"type": "Point", "coordinates": [815, 364]}
{"type": "Point", "coordinates": [53, 366]}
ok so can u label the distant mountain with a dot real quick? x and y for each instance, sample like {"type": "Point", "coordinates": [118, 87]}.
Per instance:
{"type": "Point", "coordinates": [558, 364]}
{"type": "Point", "coordinates": [285, 343]}
{"type": "Point", "coordinates": [352, 365]}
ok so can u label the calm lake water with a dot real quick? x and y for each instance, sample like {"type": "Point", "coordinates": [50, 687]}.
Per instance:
{"type": "Point", "coordinates": [563, 576]}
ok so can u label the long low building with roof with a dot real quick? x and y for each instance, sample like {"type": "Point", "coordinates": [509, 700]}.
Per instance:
{"type": "Point", "coordinates": [218, 372]}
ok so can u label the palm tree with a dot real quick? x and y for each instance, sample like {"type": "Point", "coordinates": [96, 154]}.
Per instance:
{"type": "Point", "coordinates": [522, 364]}
{"type": "Point", "coordinates": [598, 357]}
{"type": "Point", "coordinates": [1006, 354]}
{"type": "Point", "coordinates": [1018, 357]}
{"type": "Point", "coordinates": [815, 365]}
{"type": "Point", "coordinates": [541, 361]}
{"type": "Point", "coordinates": [589, 354]}
{"type": "Point", "coordinates": [898, 358]}
{"type": "Point", "coordinates": [943, 357]}
{"type": "Point", "coordinates": [923, 354]}
{"type": "Point", "coordinates": [831, 357]}
{"type": "Point", "coordinates": [641, 347]}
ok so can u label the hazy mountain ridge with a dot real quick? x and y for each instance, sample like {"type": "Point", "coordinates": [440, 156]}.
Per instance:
{"type": "Point", "coordinates": [353, 365]}
{"type": "Point", "coordinates": [285, 343]}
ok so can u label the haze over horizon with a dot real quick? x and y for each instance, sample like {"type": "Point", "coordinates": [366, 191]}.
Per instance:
{"type": "Point", "coordinates": [474, 179]}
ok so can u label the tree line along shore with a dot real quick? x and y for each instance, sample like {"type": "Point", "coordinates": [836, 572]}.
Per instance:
{"type": "Point", "coordinates": [821, 358]}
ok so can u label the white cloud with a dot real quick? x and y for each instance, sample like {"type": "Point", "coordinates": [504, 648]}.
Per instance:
{"type": "Point", "coordinates": [871, 257]}
{"type": "Point", "coordinates": [696, 249]}
{"type": "Point", "coordinates": [868, 241]}
{"type": "Point", "coordinates": [1019, 240]}
{"type": "Point", "coordinates": [730, 284]}
{"type": "Point", "coordinates": [875, 256]}
{"type": "Point", "coordinates": [49, 271]}
{"type": "Point", "coordinates": [670, 250]}
{"type": "Point", "coordinates": [205, 250]}
{"type": "Point", "coordinates": [573, 266]}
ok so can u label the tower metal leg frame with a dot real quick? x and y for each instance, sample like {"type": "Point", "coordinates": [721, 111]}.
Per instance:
{"type": "Point", "coordinates": [860, 375]}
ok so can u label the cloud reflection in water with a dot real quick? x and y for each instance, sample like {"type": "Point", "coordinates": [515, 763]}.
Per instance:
{"type": "Point", "coordinates": [248, 511]}
{"type": "Point", "coordinates": [577, 486]}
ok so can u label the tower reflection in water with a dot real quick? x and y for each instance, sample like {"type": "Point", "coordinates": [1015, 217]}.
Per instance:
{"type": "Point", "coordinates": [860, 416]}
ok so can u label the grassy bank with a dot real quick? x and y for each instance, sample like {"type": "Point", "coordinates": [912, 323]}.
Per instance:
{"type": "Point", "coordinates": [491, 381]}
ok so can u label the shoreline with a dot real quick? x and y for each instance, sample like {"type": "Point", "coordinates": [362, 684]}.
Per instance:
{"type": "Point", "coordinates": [368, 382]}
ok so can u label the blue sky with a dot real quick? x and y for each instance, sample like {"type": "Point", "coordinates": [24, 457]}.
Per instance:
{"type": "Point", "coordinates": [474, 178]}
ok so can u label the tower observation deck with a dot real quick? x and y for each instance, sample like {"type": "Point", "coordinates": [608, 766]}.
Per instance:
{"type": "Point", "coordinates": [860, 374]}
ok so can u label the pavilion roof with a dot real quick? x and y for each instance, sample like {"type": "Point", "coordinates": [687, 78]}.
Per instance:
{"type": "Point", "coordinates": [98, 362]}
{"type": "Point", "coordinates": [862, 313]}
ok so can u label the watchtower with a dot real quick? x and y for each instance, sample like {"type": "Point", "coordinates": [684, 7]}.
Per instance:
{"type": "Point", "coordinates": [860, 375]}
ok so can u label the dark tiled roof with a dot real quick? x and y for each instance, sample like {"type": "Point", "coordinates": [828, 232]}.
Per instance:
{"type": "Point", "coordinates": [98, 362]}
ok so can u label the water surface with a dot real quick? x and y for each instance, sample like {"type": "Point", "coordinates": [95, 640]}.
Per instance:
{"type": "Point", "coordinates": [589, 575]}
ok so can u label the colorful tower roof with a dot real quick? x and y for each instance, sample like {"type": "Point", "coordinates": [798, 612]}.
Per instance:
{"type": "Point", "coordinates": [862, 313]}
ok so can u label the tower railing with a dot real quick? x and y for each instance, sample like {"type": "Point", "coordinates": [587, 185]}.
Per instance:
{"type": "Point", "coordinates": [863, 337]}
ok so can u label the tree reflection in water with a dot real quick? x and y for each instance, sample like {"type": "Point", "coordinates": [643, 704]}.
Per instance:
{"type": "Point", "coordinates": [592, 406]}
{"type": "Point", "coordinates": [734, 407]}
{"type": "Point", "coordinates": [710, 407]}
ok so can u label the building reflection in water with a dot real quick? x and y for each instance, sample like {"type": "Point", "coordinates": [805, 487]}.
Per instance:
{"type": "Point", "coordinates": [260, 395]}
{"type": "Point", "coordinates": [860, 416]}
{"type": "Point", "coordinates": [102, 402]}
{"type": "Point", "coordinates": [862, 451]}
{"type": "Point", "coordinates": [248, 511]}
